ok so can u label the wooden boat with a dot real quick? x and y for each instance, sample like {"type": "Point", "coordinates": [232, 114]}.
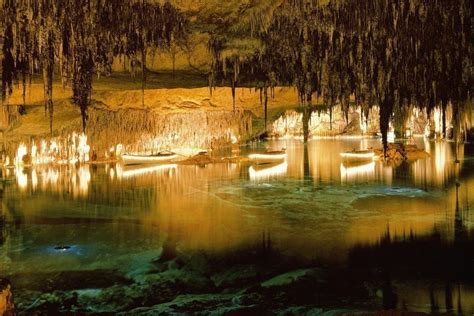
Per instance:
{"type": "Point", "coordinates": [358, 155]}
{"type": "Point", "coordinates": [164, 156]}
{"type": "Point", "coordinates": [268, 157]}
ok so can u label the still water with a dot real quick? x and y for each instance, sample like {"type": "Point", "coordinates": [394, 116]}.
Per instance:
{"type": "Point", "coordinates": [312, 206]}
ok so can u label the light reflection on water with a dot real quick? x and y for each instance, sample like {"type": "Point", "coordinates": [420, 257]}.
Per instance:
{"type": "Point", "coordinates": [313, 183]}
{"type": "Point", "coordinates": [311, 205]}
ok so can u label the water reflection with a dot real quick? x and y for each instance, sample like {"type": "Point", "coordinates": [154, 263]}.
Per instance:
{"type": "Point", "coordinates": [422, 273]}
{"type": "Point", "coordinates": [378, 192]}
{"type": "Point", "coordinates": [71, 179]}
{"type": "Point", "coordinates": [351, 173]}
{"type": "Point", "coordinates": [267, 171]}
{"type": "Point", "coordinates": [139, 170]}
{"type": "Point", "coordinates": [313, 205]}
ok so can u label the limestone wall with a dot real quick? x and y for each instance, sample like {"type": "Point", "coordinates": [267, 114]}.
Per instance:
{"type": "Point", "coordinates": [147, 131]}
{"type": "Point", "coordinates": [138, 130]}
{"type": "Point", "coordinates": [291, 124]}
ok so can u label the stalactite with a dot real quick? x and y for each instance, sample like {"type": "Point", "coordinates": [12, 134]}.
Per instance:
{"type": "Point", "coordinates": [233, 95]}
{"type": "Point", "coordinates": [444, 106]}
{"type": "Point", "coordinates": [8, 63]}
{"type": "Point", "coordinates": [376, 50]}
{"type": "Point", "coordinates": [81, 38]}
{"type": "Point", "coordinates": [265, 92]}
{"type": "Point", "coordinates": [386, 109]}
{"type": "Point", "coordinates": [48, 73]}
{"type": "Point", "coordinates": [82, 83]}
{"type": "Point", "coordinates": [143, 75]}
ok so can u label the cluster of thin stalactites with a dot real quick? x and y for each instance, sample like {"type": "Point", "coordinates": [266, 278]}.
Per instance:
{"type": "Point", "coordinates": [79, 39]}
{"type": "Point", "coordinates": [392, 54]}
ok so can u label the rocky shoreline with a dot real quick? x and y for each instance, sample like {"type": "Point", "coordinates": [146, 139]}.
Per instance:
{"type": "Point", "coordinates": [258, 282]}
{"type": "Point", "coordinates": [252, 281]}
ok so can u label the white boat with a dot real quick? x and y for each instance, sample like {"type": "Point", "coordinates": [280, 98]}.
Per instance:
{"type": "Point", "coordinates": [161, 157]}
{"type": "Point", "coordinates": [358, 155]}
{"type": "Point", "coordinates": [268, 157]}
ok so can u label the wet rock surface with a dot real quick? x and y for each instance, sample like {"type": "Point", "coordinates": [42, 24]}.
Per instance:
{"type": "Point", "coordinates": [259, 282]}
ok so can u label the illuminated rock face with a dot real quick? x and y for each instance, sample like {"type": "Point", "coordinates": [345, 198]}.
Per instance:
{"type": "Point", "coordinates": [6, 299]}
{"type": "Point", "coordinates": [290, 124]}
{"type": "Point", "coordinates": [170, 119]}
{"type": "Point", "coordinates": [147, 131]}
{"type": "Point", "coordinates": [140, 131]}
{"type": "Point", "coordinates": [321, 124]}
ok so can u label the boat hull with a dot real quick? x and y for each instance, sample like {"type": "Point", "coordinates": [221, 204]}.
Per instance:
{"type": "Point", "coordinates": [139, 159]}
{"type": "Point", "coordinates": [267, 158]}
{"type": "Point", "coordinates": [358, 156]}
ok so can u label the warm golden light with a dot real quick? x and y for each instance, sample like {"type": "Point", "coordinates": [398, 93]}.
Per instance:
{"type": "Point", "coordinates": [123, 172]}
{"type": "Point", "coordinates": [353, 173]}
{"type": "Point", "coordinates": [267, 171]}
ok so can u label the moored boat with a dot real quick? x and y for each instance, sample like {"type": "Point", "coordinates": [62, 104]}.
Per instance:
{"type": "Point", "coordinates": [358, 155]}
{"type": "Point", "coordinates": [268, 156]}
{"type": "Point", "coordinates": [164, 156]}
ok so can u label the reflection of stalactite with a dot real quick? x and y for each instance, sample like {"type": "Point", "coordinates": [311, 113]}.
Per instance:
{"type": "Point", "coordinates": [306, 119]}
{"type": "Point", "coordinates": [306, 171]}
{"type": "Point", "coordinates": [460, 232]}
{"type": "Point", "coordinates": [433, 301]}
{"type": "Point", "coordinates": [390, 298]}
{"type": "Point", "coordinates": [448, 297]}
{"type": "Point", "coordinates": [460, 310]}
{"type": "Point", "coordinates": [267, 247]}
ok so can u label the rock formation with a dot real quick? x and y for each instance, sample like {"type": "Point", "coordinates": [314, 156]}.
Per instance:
{"type": "Point", "coordinates": [399, 152]}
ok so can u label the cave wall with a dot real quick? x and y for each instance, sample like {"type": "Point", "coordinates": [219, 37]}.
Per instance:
{"type": "Point", "coordinates": [138, 130]}
{"type": "Point", "coordinates": [148, 131]}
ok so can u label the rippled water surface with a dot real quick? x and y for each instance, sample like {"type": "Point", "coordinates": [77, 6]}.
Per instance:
{"type": "Point", "coordinates": [312, 206]}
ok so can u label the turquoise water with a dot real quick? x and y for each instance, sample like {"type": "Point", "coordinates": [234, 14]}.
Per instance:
{"type": "Point", "coordinates": [312, 207]}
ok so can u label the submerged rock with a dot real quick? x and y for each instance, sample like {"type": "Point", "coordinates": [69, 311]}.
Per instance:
{"type": "Point", "coordinates": [235, 276]}
{"type": "Point", "coordinates": [201, 304]}
{"type": "Point", "coordinates": [286, 278]}
{"type": "Point", "coordinates": [68, 280]}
